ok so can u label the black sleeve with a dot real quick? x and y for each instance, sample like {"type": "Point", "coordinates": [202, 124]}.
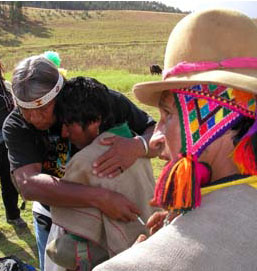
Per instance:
{"type": "Point", "coordinates": [21, 141]}
{"type": "Point", "coordinates": [125, 111]}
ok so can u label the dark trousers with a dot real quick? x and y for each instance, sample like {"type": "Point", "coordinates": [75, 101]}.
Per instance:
{"type": "Point", "coordinates": [9, 192]}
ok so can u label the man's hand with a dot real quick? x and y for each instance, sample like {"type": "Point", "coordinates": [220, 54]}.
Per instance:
{"type": "Point", "coordinates": [118, 207]}
{"type": "Point", "coordinates": [121, 155]}
{"type": "Point", "coordinates": [155, 222]}
{"type": "Point", "coordinates": [141, 238]}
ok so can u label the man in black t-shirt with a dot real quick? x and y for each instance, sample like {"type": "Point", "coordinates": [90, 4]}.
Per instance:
{"type": "Point", "coordinates": [38, 158]}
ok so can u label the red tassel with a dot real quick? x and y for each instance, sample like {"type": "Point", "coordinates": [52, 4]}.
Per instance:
{"type": "Point", "coordinates": [178, 187]}
{"type": "Point", "coordinates": [160, 185]}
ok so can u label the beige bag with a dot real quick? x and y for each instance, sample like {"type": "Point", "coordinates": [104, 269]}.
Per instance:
{"type": "Point", "coordinates": [70, 253]}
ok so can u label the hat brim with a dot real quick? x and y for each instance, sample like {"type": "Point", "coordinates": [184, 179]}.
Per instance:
{"type": "Point", "coordinates": [150, 92]}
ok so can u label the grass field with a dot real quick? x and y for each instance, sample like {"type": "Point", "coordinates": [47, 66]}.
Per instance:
{"type": "Point", "coordinates": [116, 47]}
{"type": "Point", "coordinates": [129, 40]}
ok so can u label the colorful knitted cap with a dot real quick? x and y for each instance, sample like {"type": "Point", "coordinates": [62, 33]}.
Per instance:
{"type": "Point", "coordinates": [206, 112]}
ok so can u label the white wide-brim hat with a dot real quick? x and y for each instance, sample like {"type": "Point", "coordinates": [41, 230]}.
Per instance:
{"type": "Point", "coordinates": [212, 36]}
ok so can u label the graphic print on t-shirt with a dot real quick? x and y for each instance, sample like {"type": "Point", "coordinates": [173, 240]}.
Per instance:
{"type": "Point", "coordinates": [57, 156]}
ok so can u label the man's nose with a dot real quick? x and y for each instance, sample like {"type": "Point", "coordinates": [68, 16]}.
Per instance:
{"type": "Point", "coordinates": [157, 141]}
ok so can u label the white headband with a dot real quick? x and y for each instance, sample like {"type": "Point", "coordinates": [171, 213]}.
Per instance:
{"type": "Point", "coordinates": [43, 100]}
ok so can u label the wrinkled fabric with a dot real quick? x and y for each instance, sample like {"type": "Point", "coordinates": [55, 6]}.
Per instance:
{"type": "Point", "coordinates": [220, 235]}
{"type": "Point", "coordinates": [136, 183]}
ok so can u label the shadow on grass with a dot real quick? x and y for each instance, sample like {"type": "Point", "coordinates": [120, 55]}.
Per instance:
{"type": "Point", "coordinates": [8, 247]}
{"type": "Point", "coordinates": [27, 236]}
{"type": "Point", "coordinates": [25, 26]}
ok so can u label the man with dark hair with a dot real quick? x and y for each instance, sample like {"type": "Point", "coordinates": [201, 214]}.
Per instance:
{"type": "Point", "coordinates": [84, 124]}
{"type": "Point", "coordinates": [99, 103]}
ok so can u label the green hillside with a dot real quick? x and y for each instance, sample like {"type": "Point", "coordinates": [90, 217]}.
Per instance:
{"type": "Point", "coordinates": [129, 40]}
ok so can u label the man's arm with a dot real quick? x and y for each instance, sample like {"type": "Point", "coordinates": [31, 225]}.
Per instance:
{"type": "Point", "coordinates": [123, 153]}
{"type": "Point", "coordinates": [47, 189]}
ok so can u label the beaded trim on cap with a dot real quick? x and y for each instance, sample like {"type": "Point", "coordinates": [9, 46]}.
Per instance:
{"type": "Point", "coordinates": [208, 111]}
{"type": "Point", "coordinates": [43, 100]}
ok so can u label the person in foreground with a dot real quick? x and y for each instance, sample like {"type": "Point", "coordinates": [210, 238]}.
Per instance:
{"type": "Point", "coordinates": [207, 132]}
{"type": "Point", "coordinates": [38, 154]}
{"type": "Point", "coordinates": [82, 124]}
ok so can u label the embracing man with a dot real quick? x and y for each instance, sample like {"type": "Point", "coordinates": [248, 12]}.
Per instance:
{"type": "Point", "coordinates": [85, 124]}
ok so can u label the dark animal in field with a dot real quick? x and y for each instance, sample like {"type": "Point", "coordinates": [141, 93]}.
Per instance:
{"type": "Point", "coordinates": [155, 69]}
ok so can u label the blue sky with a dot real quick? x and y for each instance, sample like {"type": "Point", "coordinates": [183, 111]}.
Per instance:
{"type": "Point", "coordinates": [247, 7]}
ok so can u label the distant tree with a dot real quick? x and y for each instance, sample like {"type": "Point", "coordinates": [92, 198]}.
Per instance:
{"type": "Point", "coordinates": [15, 12]}
{"type": "Point", "coordinates": [3, 9]}
{"type": "Point", "coordinates": [103, 5]}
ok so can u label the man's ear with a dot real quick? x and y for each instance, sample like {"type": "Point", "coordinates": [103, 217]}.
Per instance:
{"type": "Point", "coordinates": [97, 123]}
{"type": "Point", "coordinates": [94, 126]}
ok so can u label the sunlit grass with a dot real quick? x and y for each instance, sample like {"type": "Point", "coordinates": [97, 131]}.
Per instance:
{"type": "Point", "coordinates": [18, 242]}
{"type": "Point", "coordinates": [130, 40]}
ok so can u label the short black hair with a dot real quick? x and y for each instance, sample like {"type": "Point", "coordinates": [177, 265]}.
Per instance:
{"type": "Point", "coordinates": [82, 100]}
